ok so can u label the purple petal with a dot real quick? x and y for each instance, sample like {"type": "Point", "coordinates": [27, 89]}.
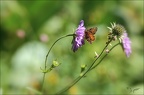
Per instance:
{"type": "Point", "coordinates": [126, 44]}
{"type": "Point", "coordinates": [79, 38]}
{"type": "Point", "coordinates": [81, 23]}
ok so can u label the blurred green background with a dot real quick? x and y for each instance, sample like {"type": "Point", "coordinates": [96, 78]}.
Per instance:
{"type": "Point", "coordinates": [28, 29]}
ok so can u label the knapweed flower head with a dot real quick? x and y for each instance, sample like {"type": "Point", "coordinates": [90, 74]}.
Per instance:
{"type": "Point", "coordinates": [78, 39]}
{"type": "Point", "coordinates": [126, 43]}
{"type": "Point", "coordinates": [117, 31]}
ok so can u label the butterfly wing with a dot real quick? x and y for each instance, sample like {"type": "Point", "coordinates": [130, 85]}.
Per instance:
{"type": "Point", "coordinates": [89, 34]}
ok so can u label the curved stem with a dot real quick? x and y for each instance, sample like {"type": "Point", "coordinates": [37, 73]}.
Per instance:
{"type": "Point", "coordinates": [48, 55]}
{"type": "Point", "coordinates": [54, 44]}
{"type": "Point", "coordinates": [78, 78]}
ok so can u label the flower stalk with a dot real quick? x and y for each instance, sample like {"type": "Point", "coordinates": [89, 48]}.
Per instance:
{"type": "Point", "coordinates": [104, 56]}
{"type": "Point", "coordinates": [45, 70]}
{"type": "Point", "coordinates": [117, 31]}
{"type": "Point", "coordinates": [89, 69]}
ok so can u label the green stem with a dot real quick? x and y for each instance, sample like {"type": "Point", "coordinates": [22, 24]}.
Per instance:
{"type": "Point", "coordinates": [69, 86]}
{"type": "Point", "coordinates": [80, 77]}
{"type": "Point", "coordinates": [47, 57]}
{"type": "Point", "coordinates": [103, 57]}
{"type": "Point", "coordinates": [43, 81]}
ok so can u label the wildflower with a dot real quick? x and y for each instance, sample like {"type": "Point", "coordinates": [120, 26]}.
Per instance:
{"type": "Point", "coordinates": [117, 31]}
{"type": "Point", "coordinates": [78, 39]}
{"type": "Point", "coordinates": [126, 43]}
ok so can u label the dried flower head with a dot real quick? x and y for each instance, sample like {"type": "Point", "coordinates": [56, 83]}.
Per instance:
{"type": "Point", "coordinates": [78, 39]}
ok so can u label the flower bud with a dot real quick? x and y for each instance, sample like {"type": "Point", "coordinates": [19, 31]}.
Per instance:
{"type": "Point", "coordinates": [96, 55]}
{"type": "Point", "coordinates": [55, 64]}
{"type": "Point", "coordinates": [83, 67]}
{"type": "Point", "coordinates": [107, 51]}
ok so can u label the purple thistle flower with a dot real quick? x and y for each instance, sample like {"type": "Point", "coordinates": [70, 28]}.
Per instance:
{"type": "Point", "coordinates": [78, 39]}
{"type": "Point", "coordinates": [126, 43]}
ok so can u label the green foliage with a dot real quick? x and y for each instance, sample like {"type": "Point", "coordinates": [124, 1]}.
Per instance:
{"type": "Point", "coordinates": [29, 27]}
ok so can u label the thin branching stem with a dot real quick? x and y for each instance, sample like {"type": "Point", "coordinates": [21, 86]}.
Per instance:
{"type": "Point", "coordinates": [45, 68]}
{"type": "Point", "coordinates": [80, 77]}
{"type": "Point", "coordinates": [104, 57]}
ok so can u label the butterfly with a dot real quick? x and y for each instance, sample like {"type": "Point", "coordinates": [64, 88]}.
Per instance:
{"type": "Point", "coordinates": [89, 34]}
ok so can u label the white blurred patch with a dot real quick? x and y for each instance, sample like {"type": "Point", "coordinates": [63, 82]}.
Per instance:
{"type": "Point", "coordinates": [1, 91]}
{"type": "Point", "coordinates": [27, 62]}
